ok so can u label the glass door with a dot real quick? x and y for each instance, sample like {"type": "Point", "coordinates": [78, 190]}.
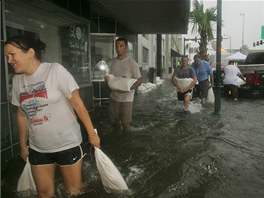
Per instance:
{"type": "Point", "coordinates": [102, 49]}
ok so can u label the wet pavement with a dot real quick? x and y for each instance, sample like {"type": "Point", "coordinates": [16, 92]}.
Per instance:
{"type": "Point", "coordinates": [176, 154]}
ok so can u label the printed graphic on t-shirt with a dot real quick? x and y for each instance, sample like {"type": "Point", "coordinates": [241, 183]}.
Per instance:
{"type": "Point", "coordinates": [183, 73]}
{"type": "Point", "coordinates": [32, 103]}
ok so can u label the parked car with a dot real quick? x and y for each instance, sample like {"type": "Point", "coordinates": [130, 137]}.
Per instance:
{"type": "Point", "coordinates": [253, 70]}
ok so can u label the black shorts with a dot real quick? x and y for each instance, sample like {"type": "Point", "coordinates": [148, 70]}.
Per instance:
{"type": "Point", "coordinates": [61, 158]}
{"type": "Point", "coordinates": [181, 95]}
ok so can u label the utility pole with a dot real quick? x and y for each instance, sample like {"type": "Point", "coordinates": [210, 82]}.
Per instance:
{"type": "Point", "coordinates": [218, 83]}
{"type": "Point", "coordinates": [243, 28]}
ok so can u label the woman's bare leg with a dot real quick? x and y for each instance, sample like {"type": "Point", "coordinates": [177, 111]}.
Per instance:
{"type": "Point", "coordinates": [186, 102]}
{"type": "Point", "coordinates": [72, 176]}
{"type": "Point", "coordinates": [44, 180]}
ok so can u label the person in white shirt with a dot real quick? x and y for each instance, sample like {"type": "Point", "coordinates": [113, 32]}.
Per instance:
{"type": "Point", "coordinates": [121, 103]}
{"type": "Point", "coordinates": [47, 98]}
{"type": "Point", "coordinates": [232, 73]}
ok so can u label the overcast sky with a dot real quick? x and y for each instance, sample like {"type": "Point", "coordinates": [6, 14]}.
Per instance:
{"type": "Point", "coordinates": [253, 12]}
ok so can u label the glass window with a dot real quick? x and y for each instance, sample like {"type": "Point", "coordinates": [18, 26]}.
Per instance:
{"type": "Point", "coordinates": [131, 50]}
{"type": "Point", "coordinates": [66, 35]}
{"type": "Point", "coordinates": [102, 49]}
{"type": "Point", "coordinates": [145, 55]}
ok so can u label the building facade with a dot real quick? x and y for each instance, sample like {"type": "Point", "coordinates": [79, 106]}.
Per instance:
{"type": "Point", "coordinates": [78, 41]}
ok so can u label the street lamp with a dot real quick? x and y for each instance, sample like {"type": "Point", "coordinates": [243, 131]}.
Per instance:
{"type": "Point", "coordinates": [243, 23]}
{"type": "Point", "coordinates": [229, 42]}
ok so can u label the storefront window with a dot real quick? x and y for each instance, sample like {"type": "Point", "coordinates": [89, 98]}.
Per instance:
{"type": "Point", "coordinates": [102, 49]}
{"type": "Point", "coordinates": [66, 35]}
{"type": "Point", "coordinates": [74, 51]}
{"type": "Point", "coordinates": [145, 55]}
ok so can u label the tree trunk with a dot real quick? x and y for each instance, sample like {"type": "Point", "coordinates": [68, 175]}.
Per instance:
{"type": "Point", "coordinates": [203, 47]}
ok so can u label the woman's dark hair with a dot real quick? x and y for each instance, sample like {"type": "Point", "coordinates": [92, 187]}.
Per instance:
{"type": "Point", "coordinates": [25, 43]}
{"type": "Point", "coordinates": [182, 57]}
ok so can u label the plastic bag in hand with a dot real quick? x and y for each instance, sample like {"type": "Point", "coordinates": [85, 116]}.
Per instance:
{"type": "Point", "coordinates": [184, 82]}
{"type": "Point", "coordinates": [110, 176]}
{"type": "Point", "coordinates": [210, 96]}
{"type": "Point", "coordinates": [26, 181]}
{"type": "Point", "coordinates": [120, 83]}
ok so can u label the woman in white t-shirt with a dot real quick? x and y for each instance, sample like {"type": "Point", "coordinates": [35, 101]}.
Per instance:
{"type": "Point", "coordinates": [46, 96]}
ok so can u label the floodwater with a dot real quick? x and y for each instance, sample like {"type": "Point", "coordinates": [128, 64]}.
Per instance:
{"type": "Point", "coordinates": [173, 154]}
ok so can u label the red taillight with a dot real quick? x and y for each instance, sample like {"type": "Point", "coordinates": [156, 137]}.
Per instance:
{"type": "Point", "coordinates": [256, 80]}
{"type": "Point", "coordinates": [252, 78]}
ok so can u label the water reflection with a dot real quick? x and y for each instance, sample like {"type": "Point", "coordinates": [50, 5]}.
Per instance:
{"type": "Point", "coordinates": [176, 154]}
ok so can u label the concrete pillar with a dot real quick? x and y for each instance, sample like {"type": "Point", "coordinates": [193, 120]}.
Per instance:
{"type": "Point", "coordinates": [152, 75]}
{"type": "Point", "coordinates": [159, 55]}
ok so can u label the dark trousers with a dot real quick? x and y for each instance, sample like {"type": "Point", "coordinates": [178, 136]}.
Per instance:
{"type": "Point", "coordinates": [233, 89]}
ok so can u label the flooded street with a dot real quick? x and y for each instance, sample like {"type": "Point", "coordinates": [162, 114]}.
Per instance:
{"type": "Point", "coordinates": [175, 154]}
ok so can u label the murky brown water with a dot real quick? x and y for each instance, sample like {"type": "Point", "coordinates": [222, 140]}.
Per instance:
{"type": "Point", "coordinates": [176, 154]}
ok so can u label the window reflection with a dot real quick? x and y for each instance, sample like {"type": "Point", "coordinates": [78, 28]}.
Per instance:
{"type": "Point", "coordinates": [66, 36]}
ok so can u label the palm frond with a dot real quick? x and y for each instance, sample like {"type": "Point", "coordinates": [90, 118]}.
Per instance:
{"type": "Point", "coordinates": [203, 21]}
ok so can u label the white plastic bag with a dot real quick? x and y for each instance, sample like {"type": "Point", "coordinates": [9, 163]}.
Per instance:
{"type": "Point", "coordinates": [110, 176]}
{"type": "Point", "coordinates": [240, 82]}
{"type": "Point", "coordinates": [119, 83]}
{"type": "Point", "coordinates": [210, 96]}
{"type": "Point", "coordinates": [26, 181]}
{"type": "Point", "coordinates": [184, 82]}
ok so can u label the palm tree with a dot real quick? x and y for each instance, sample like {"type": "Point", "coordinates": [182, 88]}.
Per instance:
{"type": "Point", "coordinates": [202, 23]}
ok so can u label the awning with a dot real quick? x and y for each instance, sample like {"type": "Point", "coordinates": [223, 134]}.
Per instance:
{"type": "Point", "coordinates": [175, 54]}
{"type": "Point", "coordinates": [236, 56]}
{"type": "Point", "coordinates": [146, 16]}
